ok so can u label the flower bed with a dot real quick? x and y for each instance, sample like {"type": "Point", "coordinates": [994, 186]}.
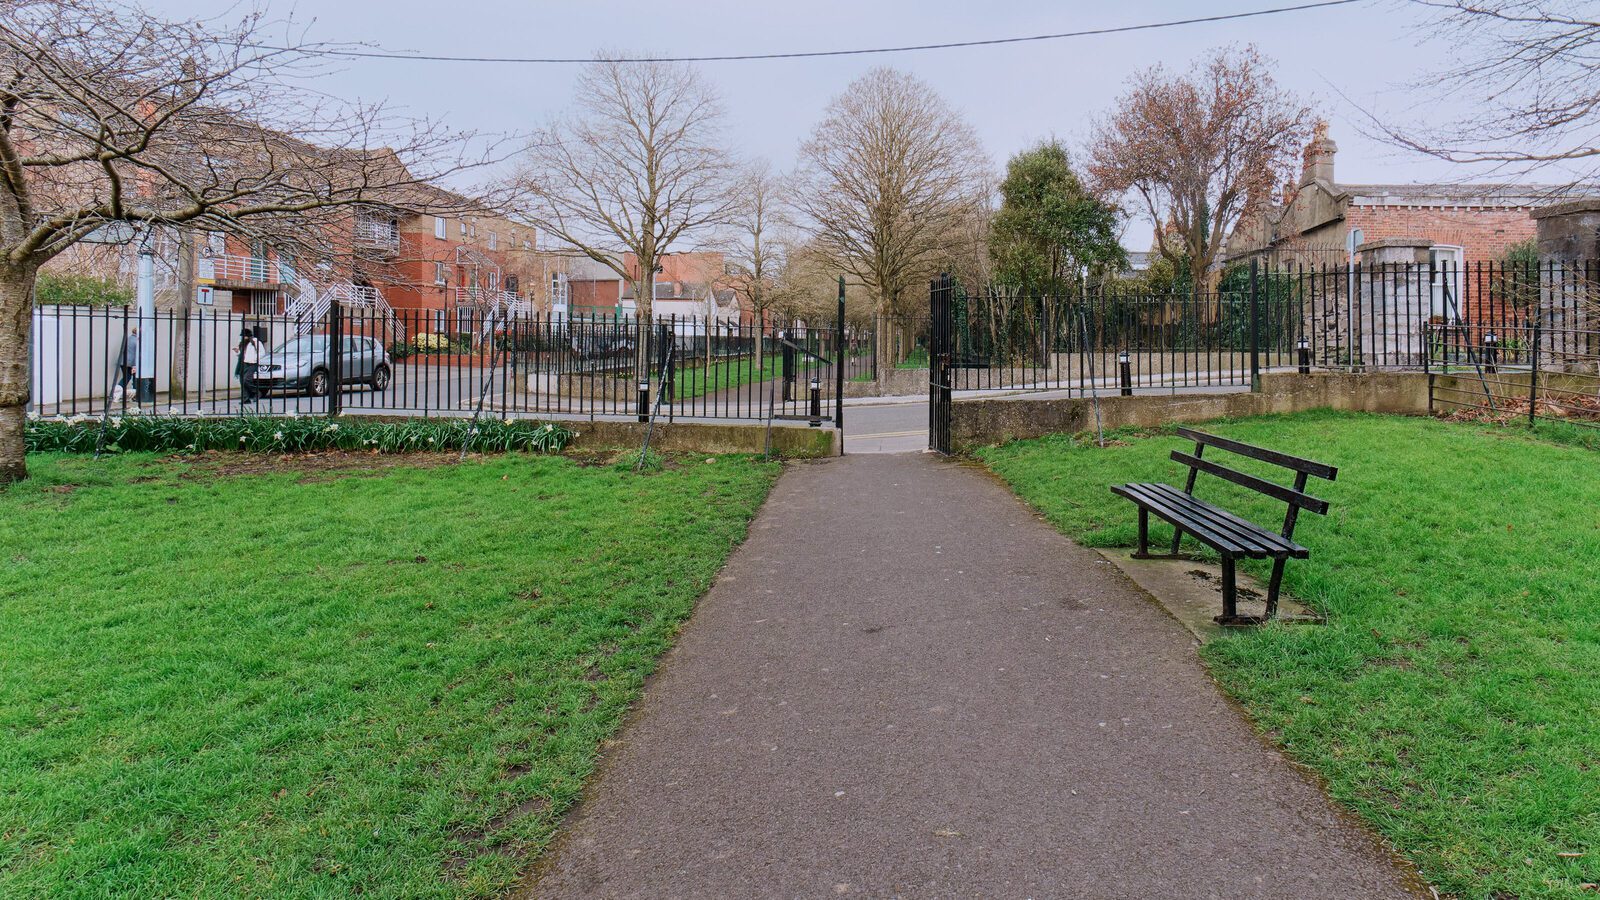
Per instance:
{"type": "Point", "coordinates": [293, 434]}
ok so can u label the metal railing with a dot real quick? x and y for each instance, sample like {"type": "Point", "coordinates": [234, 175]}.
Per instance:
{"type": "Point", "coordinates": [1120, 336]}
{"type": "Point", "coordinates": [370, 360]}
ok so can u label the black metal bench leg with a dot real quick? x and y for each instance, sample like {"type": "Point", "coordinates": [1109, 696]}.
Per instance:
{"type": "Point", "coordinates": [1272, 587]}
{"type": "Point", "coordinates": [1230, 591]}
{"type": "Point", "coordinates": [1144, 532]}
{"type": "Point", "coordinates": [1177, 538]}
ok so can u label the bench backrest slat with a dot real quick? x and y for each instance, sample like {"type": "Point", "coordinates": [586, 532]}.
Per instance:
{"type": "Point", "coordinates": [1298, 464]}
{"type": "Point", "coordinates": [1272, 489]}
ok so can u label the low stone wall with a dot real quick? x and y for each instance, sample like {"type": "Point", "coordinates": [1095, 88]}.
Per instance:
{"type": "Point", "coordinates": [788, 442]}
{"type": "Point", "coordinates": [1466, 389]}
{"type": "Point", "coordinates": [891, 383]}
{"type": "Point", "coordinates": [982, 422]}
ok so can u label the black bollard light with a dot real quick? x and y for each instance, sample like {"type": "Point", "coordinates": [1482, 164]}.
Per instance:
{"type": "Point", "coordinates": [1303, 348]}
{"type": "Point", "coordinates": [1491, 353]}
{"type": "Point", "coordinates": [816, 403]}
{"type": "Point", "coordinates": [644, 399]}
{"type": "Point", "coordinates": [1126, 376]}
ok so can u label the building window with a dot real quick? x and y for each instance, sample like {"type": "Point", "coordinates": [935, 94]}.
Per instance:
{"type": "Point", "coordinates": [439, 274]}
{"type": "Point", "coordinates": [463, 227]}
{"type": "Point", "coordinates": [439, 227]}
{"type": "Point", "coordinates": [527, 245]}
{"type": "Point", "coordinates": [494, 241]}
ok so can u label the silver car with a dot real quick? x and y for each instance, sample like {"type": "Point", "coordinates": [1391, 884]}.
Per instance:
{"type": "Point", "coordinates": [305, 363]}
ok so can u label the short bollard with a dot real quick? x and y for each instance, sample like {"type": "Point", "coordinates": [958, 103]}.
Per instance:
{"type": "Point", "coordinates": [1303, 348]}
{"type": "Point", "coordinates": [1491, 353]}
{"type": "Point", "coordinates": [1126, 374]}
{"type": "Point", "coordinates": [816, 403]}
{"type": "Point", "coordinates": [644, 400]}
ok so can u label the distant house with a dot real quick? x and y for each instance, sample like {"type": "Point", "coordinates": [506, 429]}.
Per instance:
{"type": "Point", "coordinates": [1448, 224]}
{"type": "Point", "coordinates": [690, 286]}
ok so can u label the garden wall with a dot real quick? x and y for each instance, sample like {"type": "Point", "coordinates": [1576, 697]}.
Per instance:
{"type": "Point", "coordinates": [977, 423]}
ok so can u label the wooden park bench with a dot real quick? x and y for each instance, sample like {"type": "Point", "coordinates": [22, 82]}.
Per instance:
{"type": "Point", "coordinates": [1231, 536]}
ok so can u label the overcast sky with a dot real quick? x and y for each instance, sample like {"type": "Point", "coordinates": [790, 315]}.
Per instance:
{"type": "Point", "coordinates": [1013, 95]}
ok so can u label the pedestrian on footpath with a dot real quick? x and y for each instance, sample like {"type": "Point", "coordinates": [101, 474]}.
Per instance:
{"type": "Point", "coordinates": [127, 360]}
{"type": "Point", "coordinates": [249, 362]}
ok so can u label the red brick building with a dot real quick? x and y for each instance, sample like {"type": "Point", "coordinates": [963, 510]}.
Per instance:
{"type": "Point", "coordinates": [1456, 223]}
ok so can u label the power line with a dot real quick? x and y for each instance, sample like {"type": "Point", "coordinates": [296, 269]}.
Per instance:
{"type": "Point", "coordinates": [811, 54]}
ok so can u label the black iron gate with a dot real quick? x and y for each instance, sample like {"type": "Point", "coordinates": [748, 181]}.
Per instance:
{"type": "Point", "coordinates": [941, 294]}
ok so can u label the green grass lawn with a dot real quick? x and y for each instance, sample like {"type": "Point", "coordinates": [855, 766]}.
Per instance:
{"type": "Point", "coordinates": [916, 359]}
{"type": "Point", "coordinates": [295, 684]}
{"type": "Point", "coordinates": [697, 380]}
{"type": "Point", "coordinates": [1454, 697]}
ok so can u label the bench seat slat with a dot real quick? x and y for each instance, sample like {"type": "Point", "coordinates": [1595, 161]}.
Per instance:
{"type": "Point", "coordinates": [1222, 530]}
{"type": "Point", "coordinates": [1222, 537]}
{"type": "Point", "coordinates": [1272, 542]}
{"type": "Point", "coordinates": [1219, 534]}
{"type": "Point", "coordinates": [1230, 536]}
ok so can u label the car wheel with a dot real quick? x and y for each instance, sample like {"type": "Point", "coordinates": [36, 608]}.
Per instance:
{"type": "Point", "coordinates": [380, 378]}
{"type": "Point", "coordinates": [318, 385]}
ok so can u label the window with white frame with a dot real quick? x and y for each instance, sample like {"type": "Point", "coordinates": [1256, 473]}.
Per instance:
{"type": "Point", "coordinates": [440, 227]}
{"type": "Point", "coordinates": [463, 224]}
{"type": "Point", "coordinates": [494, 241]}
{"type": "Point", "coordinates": [440, 275]}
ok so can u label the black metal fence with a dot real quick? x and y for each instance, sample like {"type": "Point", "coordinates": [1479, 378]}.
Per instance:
{"type": "Point", "coordinates": [1535, 371]}
{"type": "Point", "coordinates": [1118, 336]}
{"type": "Point", "coordinates": [89, 361]}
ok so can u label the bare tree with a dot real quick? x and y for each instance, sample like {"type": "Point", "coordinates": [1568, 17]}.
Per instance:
{"type": "Point", "coordinates": [885, 180]}
{"type": "Point", "coordinates": [635, 167]}
{"type": "Point", "coordinates": [1200, 150]}
{"type": "Point", "coordinates": [1527, 72]}
{"type": "Point", "coordinates": [757, 246]}
{"type": "Point", "coordinates": [111, 118]}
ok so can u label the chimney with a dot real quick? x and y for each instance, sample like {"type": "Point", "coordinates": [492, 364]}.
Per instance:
{"type": "Point", "coordinates": [1319, 157]}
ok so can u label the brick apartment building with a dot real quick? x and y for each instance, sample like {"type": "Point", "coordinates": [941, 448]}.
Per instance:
{"type": "Point", "coordinates": [1448, 224]}
{"type": "Point", "coordinates": [690, 286]}
{"type": "Point", "coordinates": [423, 272]}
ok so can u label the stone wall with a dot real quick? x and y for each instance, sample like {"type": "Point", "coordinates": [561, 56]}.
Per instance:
{"type": "Point", "coordinates": [977, 423]}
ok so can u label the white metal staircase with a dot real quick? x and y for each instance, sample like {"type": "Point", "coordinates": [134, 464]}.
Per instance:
{"type": "Point", "coordinates": [309, 305]}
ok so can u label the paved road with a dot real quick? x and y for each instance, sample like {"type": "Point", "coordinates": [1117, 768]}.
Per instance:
{"type": "Point", "coordinates": [905, 684]}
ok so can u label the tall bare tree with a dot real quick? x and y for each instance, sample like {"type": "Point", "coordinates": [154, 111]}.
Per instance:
{"type": "Point", "coordinates": [1200, 150]}
{"type": "Point", "coordinates": [757, 249]}
{"type": "Point", "coordinates": [110, 116]}
{"type": "Point", "coordinates": [1527, 72]}
{"type": "Point", "coordinates": [636, 166]}
{"type": "Point", "coordinates": [885, 180]}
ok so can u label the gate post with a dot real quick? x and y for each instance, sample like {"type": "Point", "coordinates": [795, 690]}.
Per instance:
{"type": "Point", "coordinates": [335, 357]}
{"type": "Point", "coordinates": [838, 392]}
{"type": "Point", "coordinates": [939, 351]}
{"type": "Point", "coordinates": [1255, 330]}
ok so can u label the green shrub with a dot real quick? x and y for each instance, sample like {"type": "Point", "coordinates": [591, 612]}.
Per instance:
{"type": "Point", "coordinates": [293, 434]}
{"type": "Point", "coordinates": [66, 289]}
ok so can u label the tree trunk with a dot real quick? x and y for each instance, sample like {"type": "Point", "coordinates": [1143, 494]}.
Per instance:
{"type": "Point", "coordinates": [179, 379]}
{"type": "Point", "coordinates": [16, 333]}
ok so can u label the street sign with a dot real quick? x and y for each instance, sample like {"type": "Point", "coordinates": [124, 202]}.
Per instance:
{"type": "Point", "coordinates": [206, 296]}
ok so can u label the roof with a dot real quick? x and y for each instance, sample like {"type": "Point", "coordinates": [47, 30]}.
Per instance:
{"type": "Point", "coordinates": [1504, 196]}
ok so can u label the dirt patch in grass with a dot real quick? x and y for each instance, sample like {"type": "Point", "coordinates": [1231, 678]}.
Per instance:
{"type": "Point", "coordinates": [221, 463]}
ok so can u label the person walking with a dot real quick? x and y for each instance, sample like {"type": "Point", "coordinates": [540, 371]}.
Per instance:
{"type": "Point", "coordinates": [127, 360]}
{"type": "Point", "coordinates": [249, 362]}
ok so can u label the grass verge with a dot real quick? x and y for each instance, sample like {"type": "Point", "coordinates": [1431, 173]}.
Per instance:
{"type": "Point", "coordinates": [1451, 700]}
{"type": "Point", "coordinates": [314, 683]}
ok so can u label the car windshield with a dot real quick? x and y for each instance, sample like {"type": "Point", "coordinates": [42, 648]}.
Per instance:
{"type": "Point", "coordinates": [315, 343]}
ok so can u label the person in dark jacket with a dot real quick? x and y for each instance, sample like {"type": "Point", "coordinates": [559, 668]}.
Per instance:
{"type": "Point", "coordinates": [127, 361]}
{"type": "Point", "coordinates": [249, 361]}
